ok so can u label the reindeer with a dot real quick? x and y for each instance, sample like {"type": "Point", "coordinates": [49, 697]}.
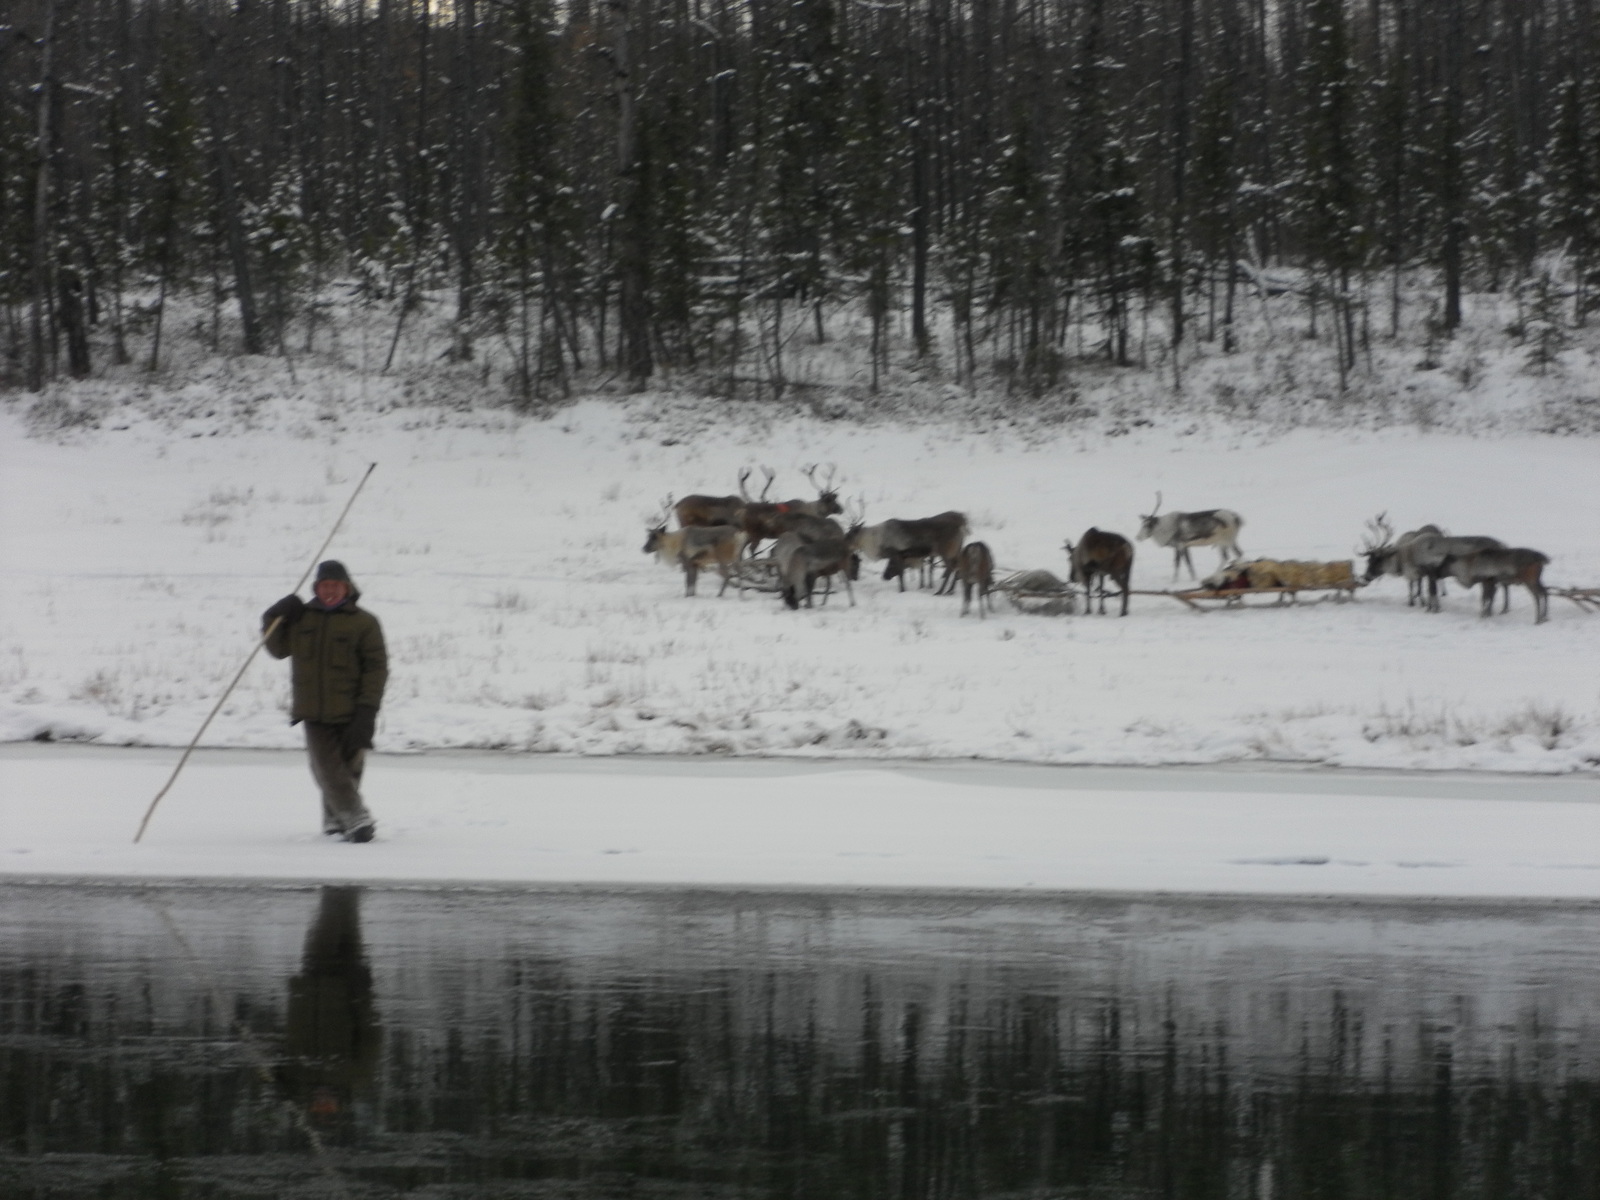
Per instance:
{"type": "Point", "coordinates": [694, 547]}
{"type": "Point", "coordinates": [801, 563]}
{"type": "Point", "coordinates": [1431, 553]}
{"type": "Point", "coordinates": [904, 543]}
{"type": "Point", "coordinates": [1388, 555]}
{"type": "Point", "coordinates": [714, 510]}
{"type": "Point", "coordinates": [975, 570]}
{"type": "Point", "coordinates": [763, 521]}
{"type": "Point", "coordinates": [1217, 527]}
{"type": "Point", "coordinates": [1503, 567]}
{"type": "Point", "coordinates": [1100, 556]}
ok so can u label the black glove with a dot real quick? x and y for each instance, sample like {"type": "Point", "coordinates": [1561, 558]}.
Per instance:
{"type": "Point", "coordinates": [358, 734]}
{"type": "Point", "coordinates": [289, 608]}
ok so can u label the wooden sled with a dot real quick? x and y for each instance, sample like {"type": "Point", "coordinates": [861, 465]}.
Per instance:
{"type": "Point", "coordinates": [1588, 599]}
{"type": "Point", "coordinates": [1202, 599]}
{"type": "Point", "coordinates": [1038, 593]}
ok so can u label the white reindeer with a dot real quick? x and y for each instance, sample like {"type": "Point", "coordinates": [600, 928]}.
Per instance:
{"type": "Point", "coordinates": [1217, 527]}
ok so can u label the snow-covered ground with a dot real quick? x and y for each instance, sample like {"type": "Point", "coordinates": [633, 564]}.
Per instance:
{"type": "Point", "coordinates": [503, 557]}
{"type": "Point", "coordinates": [499, 819]}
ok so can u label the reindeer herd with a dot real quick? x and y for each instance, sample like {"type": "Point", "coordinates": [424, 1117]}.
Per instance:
{"type": "Point", "coordinates": [810, 547]}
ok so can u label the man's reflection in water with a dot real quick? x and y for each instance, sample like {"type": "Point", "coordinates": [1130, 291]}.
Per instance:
{"type": "Point", "coordinates": [332, 1032]}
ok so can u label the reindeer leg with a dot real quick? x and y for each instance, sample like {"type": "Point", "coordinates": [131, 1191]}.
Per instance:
{"type": "Point", "coordinates": [691, 572]}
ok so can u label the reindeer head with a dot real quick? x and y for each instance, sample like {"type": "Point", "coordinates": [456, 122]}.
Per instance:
{"type": "Point", "coordinates": [827, 497]}
{"type": "Point", "coordinates": [855, 519]}
{"type": "Point", "coordinates": [1379, 545]}
{"type": "Point", "coordinates": [656, 526]}
{"type": "Point", "coordinates": [1147, 522]}
{"type": "Point", "coordinates": [1072, 561]}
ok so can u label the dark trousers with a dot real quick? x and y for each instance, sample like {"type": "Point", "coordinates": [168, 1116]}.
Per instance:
{"type": "Point", "coordinates": [338, 775]}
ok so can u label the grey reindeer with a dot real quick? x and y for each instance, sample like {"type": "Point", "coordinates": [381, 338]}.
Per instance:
{"type": "Point", "coordinates": [1217, 527]}
{"type": "Point", "coordinates": [1389, 555]}
{"type": "Point", "coordinates": [1431, 554]}
{"type": "Point", "coordinates": [1503, 568]}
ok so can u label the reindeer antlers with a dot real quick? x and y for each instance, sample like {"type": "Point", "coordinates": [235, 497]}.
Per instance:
{"type": "Point", "coordinates": [744, 477]}
{"type": "Point", "coordinates": [1380, 534]}
{"type": "Point", "coordinates": [659, 521]}
{"type": "Point", "coordinates": [826, 485]}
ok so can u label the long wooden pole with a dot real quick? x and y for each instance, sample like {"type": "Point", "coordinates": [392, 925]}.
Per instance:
{"type": "Point", "coordinates": [268, 632]}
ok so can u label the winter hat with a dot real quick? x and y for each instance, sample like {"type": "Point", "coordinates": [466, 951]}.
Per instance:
{"type": "Point", "coordinates": [332, 569]}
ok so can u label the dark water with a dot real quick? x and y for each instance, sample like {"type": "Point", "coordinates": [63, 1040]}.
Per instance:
{"type": "Point", "coordinates": [234, 1042]}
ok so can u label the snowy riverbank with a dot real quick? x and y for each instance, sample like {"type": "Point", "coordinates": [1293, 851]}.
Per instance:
{"type": "Point", "coordinates": [503, 556]}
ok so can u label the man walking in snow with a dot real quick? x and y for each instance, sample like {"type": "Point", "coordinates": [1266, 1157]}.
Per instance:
{"type": "Point", "coordinates": [338, 669]}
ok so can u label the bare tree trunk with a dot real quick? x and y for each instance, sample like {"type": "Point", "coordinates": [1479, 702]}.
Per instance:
{"type": "Point", "coordinates": [1180, 162]}
{"type": "Point", "coordinates": [73, 322]}
{"type": "Point", "coordinates": [469, 185]}
{"type": "Point", "coordinates": [228, 198]}
{"type": "Point", "coordinates": [1454, 184]}
{"type": "Point", "coordinates": [633, 266]}
{"type": "Point", "coordinates": [161, 309]}
{"type": "Point", "coordinates": [41, 211]}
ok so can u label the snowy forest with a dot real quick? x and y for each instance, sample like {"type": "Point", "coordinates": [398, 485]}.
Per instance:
{"type": "Point", "coordinates": [700, 186]}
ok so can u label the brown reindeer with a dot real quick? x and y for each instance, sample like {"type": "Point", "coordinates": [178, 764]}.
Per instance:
{"type": "Point", "coordinates": [975, 570]}
{"type": "Point", "coordinates": [763, 521]}
{"type": "Point", "coordinates": [714, 510]}
{"type": "Point", "coordinates": [1100, 556]}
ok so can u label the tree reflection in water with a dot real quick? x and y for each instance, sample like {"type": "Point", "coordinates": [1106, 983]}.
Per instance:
{"type": "Point", "coordinates": [584, 1044]}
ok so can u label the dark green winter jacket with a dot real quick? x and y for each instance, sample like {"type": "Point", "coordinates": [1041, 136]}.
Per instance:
{"type": "Point", "coordinates": [338, 661]}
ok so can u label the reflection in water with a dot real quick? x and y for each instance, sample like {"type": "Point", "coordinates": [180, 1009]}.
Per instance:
{"type": "Point", "coordinates": [331, 1035]}
{"type": "Point", "coordinates": [188, 1042]}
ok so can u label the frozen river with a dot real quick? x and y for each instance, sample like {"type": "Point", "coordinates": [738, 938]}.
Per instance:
{"type": "Point", "coordinates": [733, 978]}
{"type": "Point", "coordinates": [71, 812]}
